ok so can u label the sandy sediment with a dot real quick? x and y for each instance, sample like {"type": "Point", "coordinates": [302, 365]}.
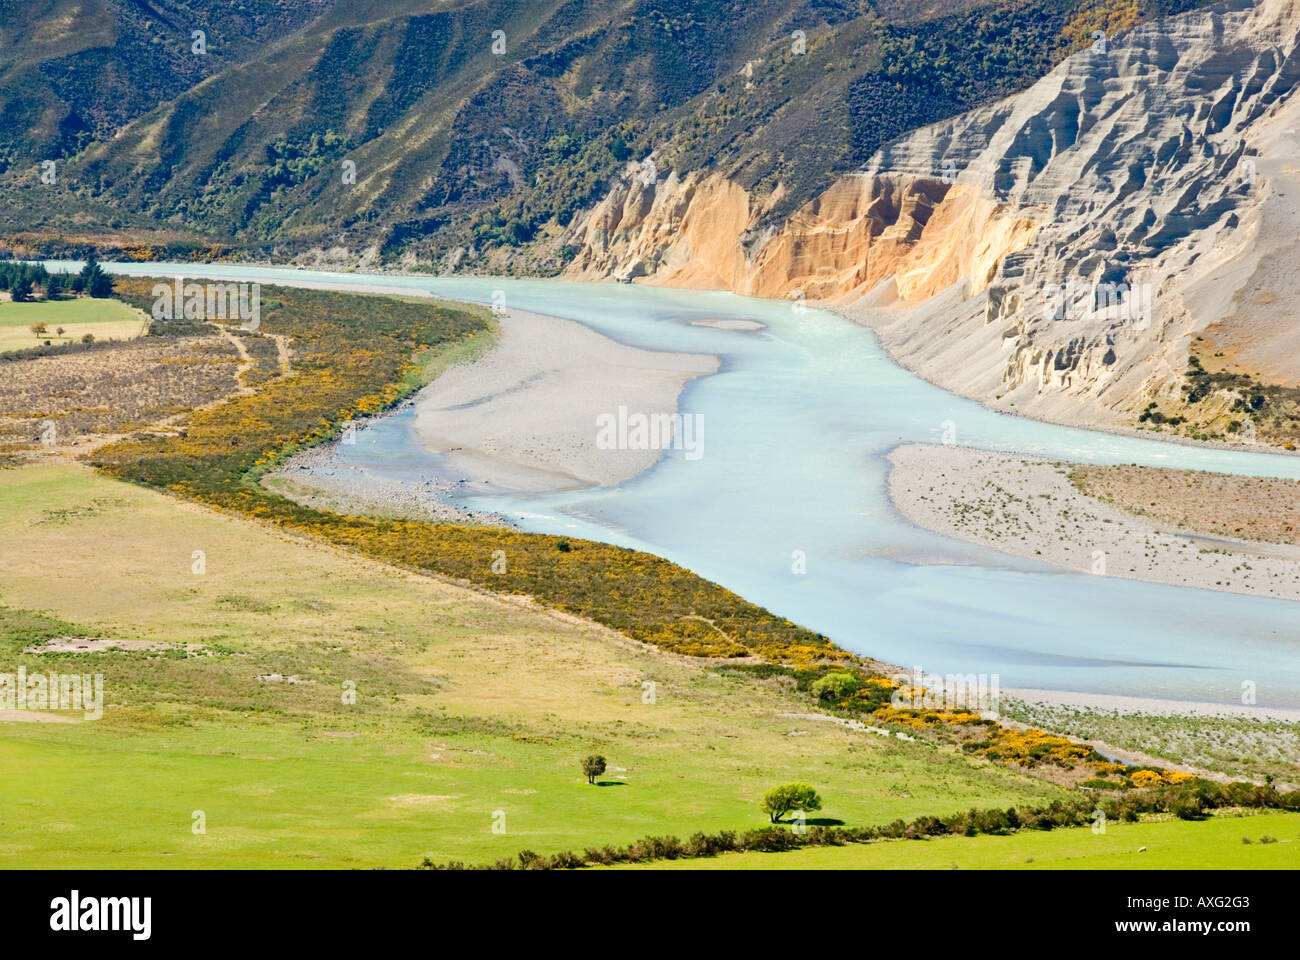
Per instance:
{"type": "Point", "coordinates": [1194, 501]}
{"type": "Point", "coordinates": [520, 418]}
{"type": "Point", "coordinates": [1149, 706]}
{"type": "Point", "coordinates": [319, 478]}
{"type": "Point", "coordinates": [1029, 507]}
{"type": "Point", "coordinates": [524, 416]}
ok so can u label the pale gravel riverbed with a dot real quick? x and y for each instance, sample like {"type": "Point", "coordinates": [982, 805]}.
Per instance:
{"type": "Point", "coordinates": [1028, 507]}
{"type": "Point", "coordinates": [520, 418]}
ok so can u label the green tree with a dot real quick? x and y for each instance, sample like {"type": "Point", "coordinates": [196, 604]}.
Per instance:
{"type": "Point", "coordinates": [593, 767]}
{"type": "Point", "coordinates": [781, 800]}
{"type": "Point", "coordinates": [94, 280]}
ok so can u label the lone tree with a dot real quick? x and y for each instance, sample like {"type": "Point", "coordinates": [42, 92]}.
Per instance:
{"type": "Point", "coordinates": [593, 767]}
{"type": "Point", "coordinates": [788, 797]}
{"type": "Point", "coordinates": [38, 329]}
{"type": "Point", "coordinates": [93, 280]}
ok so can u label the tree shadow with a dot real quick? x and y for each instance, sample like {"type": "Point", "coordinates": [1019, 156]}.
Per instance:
{"type": "Point", "coordinates": [611, 783]}
{"type": "Point", "coordinates": [823, 822]}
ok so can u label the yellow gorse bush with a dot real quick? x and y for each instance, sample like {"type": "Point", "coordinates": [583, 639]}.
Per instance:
{"type": "Point", "coordinates": [1031, 747]}
{"type": "Point", "coordinates": [1157, 778]}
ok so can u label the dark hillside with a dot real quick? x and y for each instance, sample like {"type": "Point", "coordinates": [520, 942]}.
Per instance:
{"type": "Point", "coordinates": [468, 135]}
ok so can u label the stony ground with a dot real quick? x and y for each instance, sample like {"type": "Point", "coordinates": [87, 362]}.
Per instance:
{"type": "Point", "coordinates": [1031, 508]}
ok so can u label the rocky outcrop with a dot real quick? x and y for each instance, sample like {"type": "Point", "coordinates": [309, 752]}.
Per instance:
{"type": "Point", "coordinates": [699, 231]}
{"type": "Point", "coordinates": [683, 231]}
{"type": "Point", "coordinates": [1054, 253]}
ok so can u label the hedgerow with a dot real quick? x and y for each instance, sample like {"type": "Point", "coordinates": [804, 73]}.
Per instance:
{"type": "Point", "coordinates": [1189, 801]}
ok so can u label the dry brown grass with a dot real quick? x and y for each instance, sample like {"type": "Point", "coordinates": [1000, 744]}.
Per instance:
{"type": "Point", "coordinates": [1218, 504]}
{"type": "Point", "coordinates": [97, 394]}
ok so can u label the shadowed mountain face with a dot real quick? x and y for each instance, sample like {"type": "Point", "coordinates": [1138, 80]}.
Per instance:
{"type": "Point", "coordinates": [72, 73]}
{"type": "Point", "coordinates": [471, 136]}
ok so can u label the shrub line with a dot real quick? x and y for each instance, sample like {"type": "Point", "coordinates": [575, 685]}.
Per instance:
{"type": "Point", "coordinates": [1188, 801]}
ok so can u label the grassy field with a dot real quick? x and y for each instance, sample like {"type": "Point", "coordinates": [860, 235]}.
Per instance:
{"type": "Point", "coordinates": [105, 319]}
{"type": "Point", "coordinates": [466, 705]}
{"type": "Point", "coordinates": [1216, 843]}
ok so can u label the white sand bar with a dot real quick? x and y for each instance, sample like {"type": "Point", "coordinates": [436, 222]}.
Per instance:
{"type": "Point", "coordinates": [524, 416]}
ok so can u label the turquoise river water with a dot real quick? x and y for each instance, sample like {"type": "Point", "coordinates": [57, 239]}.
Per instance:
{"type": "Point", "coordinates": [797, 422]}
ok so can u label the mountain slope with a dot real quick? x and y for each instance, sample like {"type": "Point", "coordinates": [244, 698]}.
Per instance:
{"type": "Point", "coordinates": [1058, 252]}
{"type": "Point", "coordinates": [470, 156]}
{"type": "Point", "coordinates": [75, 72]}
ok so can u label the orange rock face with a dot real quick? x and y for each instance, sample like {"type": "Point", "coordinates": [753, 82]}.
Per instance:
{"type": "Point", "coordinates": [700, 232]}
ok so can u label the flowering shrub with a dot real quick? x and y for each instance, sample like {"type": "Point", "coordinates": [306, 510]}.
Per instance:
{"type": "Point", "coordinates": [1154, 778]}
{"type": "Point", "coordinates": [1032, 747]}
{"type": "Point", "coordinates": [919, 719]}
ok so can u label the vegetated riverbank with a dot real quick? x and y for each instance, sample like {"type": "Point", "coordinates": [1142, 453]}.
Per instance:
{"type": "Point", "coordinates": [317, 477]}
{"type": "Point", "coordinates": [351, 360]}
{"type": "Point", "coordinates": [1251, 742]}
{"type": "Point", "coordinates": [1030, 507]}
